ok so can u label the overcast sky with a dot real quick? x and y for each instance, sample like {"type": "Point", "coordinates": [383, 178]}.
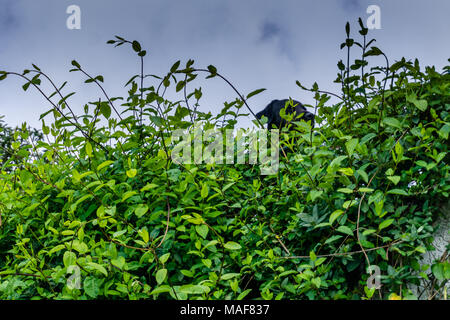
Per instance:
{"type": "Point", "coordinates": [254, 43]}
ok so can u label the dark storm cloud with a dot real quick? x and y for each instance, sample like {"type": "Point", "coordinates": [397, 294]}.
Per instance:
{"type": "Point", "coordinates": [273, 35]}
{"type": "Point", "coordinates": [269, 30]}
{"type": "Point", "coordinates": [8, 19]}
{"type": "Point", "coordinates": [351, 4]}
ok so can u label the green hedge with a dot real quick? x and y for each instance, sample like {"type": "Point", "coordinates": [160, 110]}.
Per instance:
{"type": "Point", "coordinates": [98, 210]}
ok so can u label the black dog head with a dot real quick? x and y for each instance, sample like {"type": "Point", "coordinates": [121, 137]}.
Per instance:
{"type": "Point", "coordinates": [272, 112]}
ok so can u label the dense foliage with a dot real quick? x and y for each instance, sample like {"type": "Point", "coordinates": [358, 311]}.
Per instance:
{"type": "Point", "coordinates": [8, 136]}
{"type": "Point", "coordinates": [99, 210]}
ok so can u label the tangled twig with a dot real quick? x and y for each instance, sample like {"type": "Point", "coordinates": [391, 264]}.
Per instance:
{"type": "Point", "coordinates": [343, 253]}
{"type": "Point", "coordinates": [167, 225]}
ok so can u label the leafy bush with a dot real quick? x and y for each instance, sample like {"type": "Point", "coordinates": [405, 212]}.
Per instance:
{"type": "Point", "coordinates": [9, 135]}
{"type": "Point", "coordinates": [99, 210]}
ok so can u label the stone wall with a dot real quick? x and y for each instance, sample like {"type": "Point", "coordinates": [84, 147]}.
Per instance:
{"type": "Point", "coordinates": [440, 243]}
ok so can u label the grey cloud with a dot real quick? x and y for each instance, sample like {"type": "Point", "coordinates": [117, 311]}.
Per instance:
{"type": "Point", "coordinates": [351, 4]}
{"type": "Point", "coordinates": [269, 30]}
{"type": "Point", "coordinates": [254, 43]}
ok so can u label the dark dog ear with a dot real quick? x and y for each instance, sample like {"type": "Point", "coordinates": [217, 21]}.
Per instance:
{"type": "Point", "coordinates": [299, 108]}
{"type": "Point", "coordinates": [267, 112]}
{"type": "Point", "coordinates": [308, 116]}
{"type": "Point", "coordinates": [260, 114]}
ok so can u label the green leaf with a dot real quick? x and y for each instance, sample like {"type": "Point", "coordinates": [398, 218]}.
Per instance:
{"type": "Point", "coordinates": [105, 109]}
{"type": "Point", "coordinates": [128, 194]}
{"type": "Point", "coordinates": [175, 66]}
{"type": "Point", "coordinates": [376, 197]}
{"type": "Point", "coordinates": [212, 69]}
{"type": "Point", "coordinates": [163, 259]}
{"type": "Point", "coordinates": [345, 190]}
{"type": "Point", "coordinates": [366, 190]}
{"type": "Point", "coordinates": [422, 163]}
{"type": "Point", "coordinates": [368, 137]}
{"type": "Point", "coordinates": [231, 245]}
{"type": "Point", "coordinates": [348, 204]}
{"type": "Point", "coordinates": [420, 249]}
{"type": "Point", "coordinates": [91, 287]}
{"type": "Point", "coordinates": [79, 246]}
{"type": "Point", "coordinates": [144, 235]}
{"type": "Point", "coordinates": [243, 294]}
{"type": "Point", "coordinates": [140, 210]}
{"type": "Point", "coordinates": [441, 271]}
{"type": "Point", "coordinates": [395, 179]}
{"type": "Point", "coordinates": [180, 85]}
{"type": "Point", "coordinates": [363, 175]}
{"type": "Point", "coordinates": [131, 173]}
{"type": "Point", "coordinates": [119, 262]}
{"type": "Point", "coordinates": [316, 282]}
{"type": "Point", "coordinates": [97, 267]}
{"type": "Point", "coordinates": [136, 46]}
{"type": "Point", "coordinates": [194, 289]}
{"type": "Point", "coordinates": [69, 258]}
{"type": "Point", "coordinates": [25, 86]}
{"type": "Point", "coordinates": [161, 289]}
{"type": "Point", "coordinates": [392, 122]}
{"type": "Point", "coordinates": [374, 51]}
{"type": "Point", "coordinates": [89, 149]}
{"type": "Point", "coordinates": [104, 164]}
{"type": "Point", "coordinates": [148, 186]}
{"type": "Point", "coordinates": [231, 275]}
{"type": "Point", "coordinates": [207, 262]}
{"type": "Point", "coordinates": [398, 191]}
{"type": "Point", "coordinates": [346, 230]}
{"type": "Point", "coordinates": [398, 149]}
{"type": "Point", "coordinates": [119, 233]}
{"type": "Point", "coordinates": [202, 230]}
{"type": "Point", "coordinates": [440, 156]}
{"type": "Point", "coordinates": [76, 64]}
{"type": "Point", "coordinates": [351, 145]}
{"type": "Point", "coordinates": [314, 194]}
{"type": "Point", "coordinates": [369, 292]}
{"type": "Point", "coordinates": [421, 104]}
{"type": "Point", "coordinates": [187, 273]}
{"type": "Point", "coordinates": [385, 224]}
{"type": "Point", "coordinates": [335, 163]}
{"type": "Point", "coordinates": [336, 214]}
{"type": "Point", "coordinates": [161, 275]}
{"type": "Point", "coordinates": [253, 93]}
{"type": "Point", "coordinates": [444, 131]}
{"type": "Point", "coordinates": [56, 249]}
{"type": "Point", "coordinates": [346, 171]}
{"type": "Point", "coordinates": [205, 191]}
{"type": "Point", "coordinates": [319, 261]}
{"type": "Point", "coordinates": [368, 232]}
{"type": "Point", "coordinates": [333, 238]}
